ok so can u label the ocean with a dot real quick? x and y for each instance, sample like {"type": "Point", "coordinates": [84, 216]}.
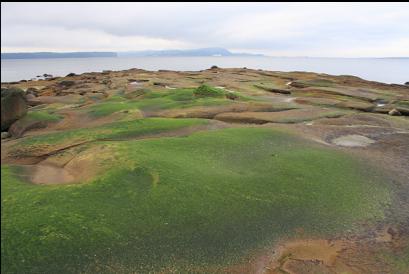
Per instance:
{"type": "Point", "coordinates": [387, 70]}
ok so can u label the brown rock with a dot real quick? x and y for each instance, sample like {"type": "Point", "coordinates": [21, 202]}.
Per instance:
{"type": "Point", "coordinates": [13, 106]}
{"type": "Point", "coordinates": [18, 128]}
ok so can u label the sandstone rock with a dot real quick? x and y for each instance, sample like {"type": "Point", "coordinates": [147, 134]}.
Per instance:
{"type": "Point", "coordinates": [13, 106]}
{"type": "Point", "coordinates": [30, 96]}
{"type": "Point", "coordinates": [106, 82]}
{"type": "Point", "coordinates": [32, 91]}
{"type": "Point", "coordinates": [231, 96]}
{"type": "Point", "coordinates": [66, 83]}
{"type": "Point", "coordinates": [18, 128]}
{"type": "Point", "coordinates": [32, 100]}
{"type": "Point", "coordinates": [5, 135]}
{"type": "Point", "coordinates": [363, 106]}
{"type": "Point", "coordinates": [295, 84]}
{"type": "Point", "coordinates": [272, 89]}
{"type": "Point", "coordinates": [403, 110]}
{"type": "Point", "coordinates": [394, 112]}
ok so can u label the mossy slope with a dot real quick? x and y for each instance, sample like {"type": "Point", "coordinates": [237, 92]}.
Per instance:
{"type": "Point", "coordinates": [185, 203]}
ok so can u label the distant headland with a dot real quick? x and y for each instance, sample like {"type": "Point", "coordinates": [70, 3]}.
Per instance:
{"type": "Point", "coordinates": [144, 53]}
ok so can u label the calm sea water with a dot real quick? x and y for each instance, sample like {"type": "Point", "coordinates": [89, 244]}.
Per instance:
{"type": "Point", "coordinates": [388, 70]}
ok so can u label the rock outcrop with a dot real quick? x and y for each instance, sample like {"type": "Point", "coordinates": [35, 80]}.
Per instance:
{"type": "Point", "coordinates": [13, 106]}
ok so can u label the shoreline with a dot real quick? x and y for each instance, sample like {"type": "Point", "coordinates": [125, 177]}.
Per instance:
{"type": "Point", "coordinates": [385, 70]}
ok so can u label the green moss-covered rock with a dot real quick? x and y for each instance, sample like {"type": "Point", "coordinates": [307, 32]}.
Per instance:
{"type": "Point", "coordinates": [201, 199]}
{"type": "Point", "coordinates": [208, 91]}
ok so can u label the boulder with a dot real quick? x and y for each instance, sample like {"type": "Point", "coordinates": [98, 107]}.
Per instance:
{"type": "Point", "coordinates": [32, 91]}
{"type": "Point", "coordinates": [13, 106]}
{"type": "Point", "coordinates": [394, 112]}
{"type": "Point", "coordinates": [407, 84]}
{"type": "Point", "coordinates": [30, 96]}
{"type": "Point", "coordinates": [72, 74]}
{"type": "Point", "coordinates": [18, 128]}
{"type": "Point", "coordinates": [5, 135]}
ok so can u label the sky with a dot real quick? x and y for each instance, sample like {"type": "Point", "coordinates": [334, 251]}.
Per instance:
{"type": "Point", "coordinates": [276, 29]}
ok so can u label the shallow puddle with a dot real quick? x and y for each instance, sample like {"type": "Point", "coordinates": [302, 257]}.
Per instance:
{"type": "Point", "coordinates": [353, 141]}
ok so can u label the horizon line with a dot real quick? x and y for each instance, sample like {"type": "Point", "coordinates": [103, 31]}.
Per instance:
{"type": "Point", "coordinates": [254, 54]}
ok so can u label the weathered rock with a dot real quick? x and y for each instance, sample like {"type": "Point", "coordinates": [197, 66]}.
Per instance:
{"type": "Point", "coordinates": [32, 101]}
{"type": "Point", "coordinates": [231, 96]}
{"type": "Point", "coordinates": [363, 106]}
{"type": "Point", "coordinates": [159, 84]}
{"type": "Point", "coordinates": [30, 96]}
{"type": "Point", "coordinates": [71, 74]}
{"type": "Point", "coordinates": [295, 84]}
{"type": "Point", "coordinates": [106, 82]}
{"type": "Point", "coordinates": [66, 83]}
{"type": "Point", "coordinates": [18, 128]}
{"type": "Point", "coordinates": [272, 89]}
{"type": "Point", "coordinates": [13, 106]}
{"type": "Point", "coordinates": [394, 112]}
{"type": "Point", "coordinates": [403, 110]}
{"type": "Point", "coordinates": [214, 67]}
{"type": "Point", "coordinates": [5, 135]}
{"type": "Point", "coordinates": [32, 91]}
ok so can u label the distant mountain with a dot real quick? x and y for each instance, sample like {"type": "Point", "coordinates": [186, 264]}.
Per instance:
{"type": "Point", "coordinates": [41, 55]}
{"type": "Point", "coordinates": [188, 52]}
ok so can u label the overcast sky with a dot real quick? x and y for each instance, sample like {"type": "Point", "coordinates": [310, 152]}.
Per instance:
{"type": "Point", "coordinates": [279, 29]}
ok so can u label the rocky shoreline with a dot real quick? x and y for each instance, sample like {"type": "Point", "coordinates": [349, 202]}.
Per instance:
{"type": "Point", "coordinates": [61, 131]}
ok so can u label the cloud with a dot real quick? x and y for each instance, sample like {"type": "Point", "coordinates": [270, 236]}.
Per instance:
{"type": "Point", "coordinates": [37, 38]}
{"type": "Point", "coordinates": [315, 29]}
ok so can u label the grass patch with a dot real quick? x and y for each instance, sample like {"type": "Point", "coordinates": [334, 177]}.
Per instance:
{"type": "Point", "coordinates": [182, 203]}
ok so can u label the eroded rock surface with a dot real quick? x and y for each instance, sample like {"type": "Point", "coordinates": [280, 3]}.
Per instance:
{"type": "Point", "coordinates": [121, 134]}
